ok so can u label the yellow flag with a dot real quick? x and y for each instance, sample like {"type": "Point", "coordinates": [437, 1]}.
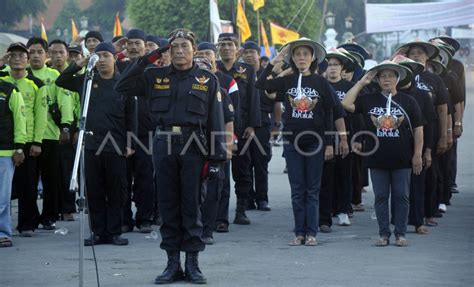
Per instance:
{"type": "Point", "coordinates": [117, 26]}
{"type": "Point", "coordinates": [74, 32]}
{"type": "Point", "coordinates": [282, 35]}
{"type": "Point", "coordinates": [242, 23]}
{"type": "Point", "coordinates": [257, 4]}
{"type": "Point", "coordinates": [265, 39]}
{"type": "Point", "coordinates": [43, 31]}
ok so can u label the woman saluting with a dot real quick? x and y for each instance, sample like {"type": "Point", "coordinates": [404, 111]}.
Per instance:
{"type": "Point", "coordinates": [394, 148]}
{"type": "Point", "coordinates": [308, 102]}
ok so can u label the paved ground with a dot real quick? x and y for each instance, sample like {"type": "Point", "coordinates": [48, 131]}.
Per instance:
{"type": "Point", "coordinates": [259, 255]}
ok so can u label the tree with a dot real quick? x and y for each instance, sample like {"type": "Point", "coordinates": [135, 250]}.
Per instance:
{"type": "Point", "coordinates": [162, 16]}
{"type": "Point", "coordinates": [101, 14]}
{"type": "Point", "coordinates": [70, 11]}
{"type": "Point", "coordinates": [13, 11]}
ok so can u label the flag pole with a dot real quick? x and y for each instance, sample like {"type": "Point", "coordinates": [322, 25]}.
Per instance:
{"type": "Point", "coordinates": [258, 26]}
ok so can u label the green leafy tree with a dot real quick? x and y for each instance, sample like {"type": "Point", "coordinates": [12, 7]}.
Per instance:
{"type": "Point", "coordinates": [101, 14]}
{"type": "Point", "coordinates": [70, 11]}
{"type": "Point", "coordinates": [161, 16]}
{"type": "Point", "coordinates": [14, 10]}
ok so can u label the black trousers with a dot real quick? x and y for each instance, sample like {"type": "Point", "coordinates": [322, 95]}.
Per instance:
{"type": "Point", "coordinates": [223, 205]}
{"type": "Point", "coordinates": [444, 192]}
{"type": "Point", "coordinates": [417, 199]}
{"type": "Point", "coordinates": [67, 199]}
{"type": "Point", "coordinates": [357, 179]}
{"type": "Point", "coordinates": [140, 187]}
{"type": "Point", "coordinates": [213, 190]}
{"type": "Point", "coordinates": [260, 156]}
{"type": "Point", "coordinates": [25, 186]}
{"type": "Point", "coordinates": [453, 170]}
{"type": "Point", "coordinates": [342, 184]}
{"type": "Point", "coordinates": [179, 194]}
{"type": "Point", "coordinates": [432, 185]}
{"type": "Point", "coordinates": [326, 194]}
{"type": "Point", "coordinates": [49, 168]}
{"type": "Point", "coordinates": [241, 170]}
{"type": "Point", "coordinates": [106, 183]}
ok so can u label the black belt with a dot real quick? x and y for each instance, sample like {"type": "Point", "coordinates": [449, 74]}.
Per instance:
{"type": "Point", "coordinates": [177, 129]}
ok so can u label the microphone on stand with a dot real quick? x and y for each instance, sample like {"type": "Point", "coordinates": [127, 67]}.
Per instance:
{"type": "Point", "coordinates": [92, 62]}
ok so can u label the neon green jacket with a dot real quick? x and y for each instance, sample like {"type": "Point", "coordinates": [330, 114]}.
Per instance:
{"type": "Point", "coordinates": [55, 95]}
{"type": "Point", "coordinates": [36, 108]}
{"type": "Point", "coordinates": [17, 107]}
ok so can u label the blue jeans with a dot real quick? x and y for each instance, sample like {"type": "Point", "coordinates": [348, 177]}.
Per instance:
{"type": "Point", "coordinates": [304, 174]}
{"type": "Point", "coordinates": [395, 183]}
{"type": "Point", "coordinates": [6, 177]}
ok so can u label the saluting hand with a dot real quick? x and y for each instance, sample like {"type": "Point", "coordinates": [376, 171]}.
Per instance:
{"type": "Point", "coordinates": [367, 78]}
{"type": "Point", "coordinates": [83, 62]}
{"type": "Point", "coordinates": [281, 56]}
{"type": "Point", "coordinates": [4, 59]}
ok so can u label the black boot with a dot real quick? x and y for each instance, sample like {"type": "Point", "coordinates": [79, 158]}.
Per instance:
{"type": "Point", "coordinates": [192, 272]}
{"type": "Point", "coordinates": [240, 216]}
{"type": "Point", "coordinates": [173, 271]}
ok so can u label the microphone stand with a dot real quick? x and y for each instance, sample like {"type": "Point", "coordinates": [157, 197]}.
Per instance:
{"type": "Point", "coordinates": [76, 185]}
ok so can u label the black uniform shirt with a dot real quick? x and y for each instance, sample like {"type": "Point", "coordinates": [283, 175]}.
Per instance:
{"type": "Point", "coordinates": [110, 114]}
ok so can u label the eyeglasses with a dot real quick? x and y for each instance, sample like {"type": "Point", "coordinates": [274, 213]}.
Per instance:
{"type": "Point", "coordinates": [18, 55]}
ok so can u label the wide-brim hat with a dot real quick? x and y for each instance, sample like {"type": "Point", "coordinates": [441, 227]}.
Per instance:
{"type": "Point", "coordinates": [438, 67]}
{"type": "Point", "coordinates": [431, 50]}
{"type": "Point", "coordinates": [322, 67]}
{"type": "Point", "coordinates": [414, 66]}
{"type": "Point", "coordinates": [450, 41]}
{"type": "Point", "coordinates": [319, 53]}
{"type": "Point", "coordinates": [444, 55]}
{"type": "Point", "coordinates": [354, 63]}
{"type": "Point", "coordinates": [335, 53]}
{"type": "Point", "coordinates": [353, 47]}
{"type": "Point", "coordinates": [403, 72]}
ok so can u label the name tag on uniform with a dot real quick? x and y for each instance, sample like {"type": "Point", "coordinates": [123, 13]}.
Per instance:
{"type": "Point", "coordinates": [201, 86]}
{"type": "Point", "coordinates": [161, 87]}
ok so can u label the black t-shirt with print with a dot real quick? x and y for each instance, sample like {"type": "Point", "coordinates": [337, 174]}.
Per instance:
{"type": "Point", "coordinates": [341, 88]}
{"type": "Point", "coordinates": [428, 113]}
{"type": "Point", "coordinates": [311, 113]}
{"type": "Point", "coordinates": [392, 132]}
{"type": "Point", "coordinates": [434, 85]}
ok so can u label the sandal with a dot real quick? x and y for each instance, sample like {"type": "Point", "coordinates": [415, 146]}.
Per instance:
{"type": "Point", "coordinates": [5, 242]}
{"type": "Point", "coordinates": [401, 242]}
{"type": "Point", "coordinates": [311, 241]}
{"type": "Point", "coordinates": [421, 230]}
{"type": "Point", "coordinates": [431, 222]}
{"type": "Point", "coordinates": [382, 242]}
{"type": "Point", "coordinates": [358, 208]}
{"type": "Point", "coordinates": [299, 240]}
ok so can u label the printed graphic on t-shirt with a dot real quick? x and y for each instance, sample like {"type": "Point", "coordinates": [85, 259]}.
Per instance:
{"type": "Point", "coordinates": [303, 104]}
{"type": "Point", "coordinates": [387, 124]}
{"type": "Point", "coordinates": [340, 95]}
{"type": "Point", "coordinates": [420, 85]}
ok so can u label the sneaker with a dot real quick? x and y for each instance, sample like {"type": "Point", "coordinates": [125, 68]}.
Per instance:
{"type": "Point", "coordinates": [343, 219]}
{"type": "Point", "coordinates": [454, 189]}
{"type": "Point", "coordinates": [442, 208]}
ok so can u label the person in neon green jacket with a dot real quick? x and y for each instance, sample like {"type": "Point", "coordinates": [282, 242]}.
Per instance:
{"type": "Point", "coordinates": [12, 141]}
{"type": "Point", "coordinates": [34, 96]}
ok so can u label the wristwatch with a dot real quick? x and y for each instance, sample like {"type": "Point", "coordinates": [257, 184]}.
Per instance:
{"type": "Point", "coordinates": [66, 130]}
{"type": "Point", "coordinates": [457, 124]}
{"type": "Point", "coordinates": [19, 151]}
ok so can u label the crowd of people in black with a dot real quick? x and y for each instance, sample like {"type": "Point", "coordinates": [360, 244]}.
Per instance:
{"type": "Point", "coordinates": [171, 120]}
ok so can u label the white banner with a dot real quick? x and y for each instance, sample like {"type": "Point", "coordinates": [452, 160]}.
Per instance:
{"type": "Point", "coordinates": [215, 20]}
{"type": "Point", "coordinates": [401, 17]}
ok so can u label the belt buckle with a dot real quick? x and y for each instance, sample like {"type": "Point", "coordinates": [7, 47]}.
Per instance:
{"type": "Point", "coordinates": [176, 129]}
